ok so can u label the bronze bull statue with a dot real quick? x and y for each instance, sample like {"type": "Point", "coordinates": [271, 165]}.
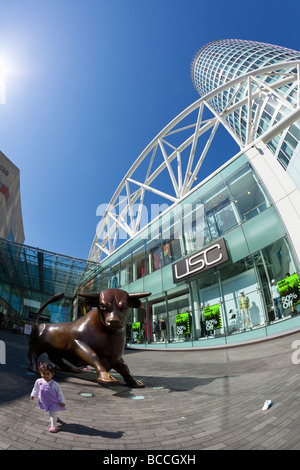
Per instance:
{"type": "Point", "coordinates": [96, 339]}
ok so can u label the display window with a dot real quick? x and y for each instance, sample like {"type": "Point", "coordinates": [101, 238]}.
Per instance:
{"type": "Point", "coordinates": [243, 304]}
{"type": "Point", "coordinates": [160, 323]}
{"type": "Point", "coordinates": [172, 321]}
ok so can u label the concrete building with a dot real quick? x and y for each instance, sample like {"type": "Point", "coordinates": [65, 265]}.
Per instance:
{"type": "Point", "coordinates": [11, 226]}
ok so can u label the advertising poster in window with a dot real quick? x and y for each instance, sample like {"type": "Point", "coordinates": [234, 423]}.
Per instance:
{"type": "Point", "coordinates": [167, 253]}
{"type": "Point", "coordinates": [182, 324]}
{"type": "Point", "coordinates": [156, 256]}
{"type": "Point", "coordinates": [212, 317]}
{"type": "Point", "coordinates": [289, 290]}
{"type": "Point", "coordinates": [136, 330]}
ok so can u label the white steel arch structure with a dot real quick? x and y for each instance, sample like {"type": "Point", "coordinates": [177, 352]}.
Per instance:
{"type": "Point", "coordinates": [168, 167]}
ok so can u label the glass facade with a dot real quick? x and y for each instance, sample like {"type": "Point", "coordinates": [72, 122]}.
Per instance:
{"type": "Point", "coordinates": [221, 61]}
{"type": "Point", "coordinates": [30, 276]}
{"type": "Point", "coordinates": [231, 298]}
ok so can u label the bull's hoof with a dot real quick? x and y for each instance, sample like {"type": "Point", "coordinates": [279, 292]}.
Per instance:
{"type": "Point", "coordinates": [33, 369]}
{"type": "Point", "coordinates": [105, 378]}
{"type": "Point", "coordinates": [134, 383]}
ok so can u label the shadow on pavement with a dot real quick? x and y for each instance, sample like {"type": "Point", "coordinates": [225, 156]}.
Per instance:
{"type": "Point", "coordinates": [17, 380]}
{"type": "Point", "coordinates": [83, 430]}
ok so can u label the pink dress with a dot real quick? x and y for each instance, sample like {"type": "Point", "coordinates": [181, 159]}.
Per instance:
{"type": "Point", "coordinates": [49, 394]}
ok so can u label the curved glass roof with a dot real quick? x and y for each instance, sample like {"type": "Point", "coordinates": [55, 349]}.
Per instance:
{"type": "Point", "coordinates": [38, 270]}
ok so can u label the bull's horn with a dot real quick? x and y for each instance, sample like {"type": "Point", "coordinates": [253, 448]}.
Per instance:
{"type": "Point", "coordinates": [89, 295]}
{"type": "Point", "coordinates": [134, 299]}
{"type": "Point", "coordinates": [139, 295]}
{"type": "Point", "coordinates": [91, 298]}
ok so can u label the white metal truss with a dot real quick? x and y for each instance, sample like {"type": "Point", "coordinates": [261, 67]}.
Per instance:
{"type": "Point", "coordinates": [168, 167]}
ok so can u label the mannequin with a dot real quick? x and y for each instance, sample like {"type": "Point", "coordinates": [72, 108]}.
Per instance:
{"type": "Point", "coordinates": [156, 329]}
{"type": "Point", "coordinates": [276, 299]}
{"type": "Point", "coordinates": [244, 309]}
{"type": "Point", "coordinates": [163, 328]}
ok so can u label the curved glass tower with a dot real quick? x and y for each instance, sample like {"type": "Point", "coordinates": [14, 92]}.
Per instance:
{"type": "Point", "coordinates": [220, 61]}
{"type": "Point", "coordinates": [265, 101]}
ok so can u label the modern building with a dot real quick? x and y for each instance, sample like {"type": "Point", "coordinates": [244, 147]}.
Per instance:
{"type": "Point", "coordinates": [217, 249]}
{"type": "Point", "coordinates": [11, 226]}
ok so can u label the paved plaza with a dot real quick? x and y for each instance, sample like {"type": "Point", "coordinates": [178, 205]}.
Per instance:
{"type": "Point", "coordinates": [193, 400]}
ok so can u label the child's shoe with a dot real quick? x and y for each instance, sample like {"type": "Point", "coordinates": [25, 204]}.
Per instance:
{"type": "Point", "coordinates": [53, 429]}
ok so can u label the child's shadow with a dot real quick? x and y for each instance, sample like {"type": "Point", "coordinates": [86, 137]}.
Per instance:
{"type": "Point", "coordinates": [88, 431]}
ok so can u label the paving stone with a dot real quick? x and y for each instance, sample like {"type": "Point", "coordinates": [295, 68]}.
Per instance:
{"type": "Point", "coordinates": [210, 400]}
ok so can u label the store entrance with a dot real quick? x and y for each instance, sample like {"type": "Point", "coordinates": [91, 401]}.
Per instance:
{"type": "Point", "coordinates": [176, 325]}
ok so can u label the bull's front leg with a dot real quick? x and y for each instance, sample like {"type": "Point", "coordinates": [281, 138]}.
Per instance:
{"type": "Point", "coordinates": [33, 365]}
{"type": "Point", "coordinates": [123, 370]}
{"type": "Point", "coordinates": [35, 350]}
{"type": "Point", "coordinates": [86, 354]}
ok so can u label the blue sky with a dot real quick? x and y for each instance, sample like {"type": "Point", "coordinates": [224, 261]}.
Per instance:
{"type": "Point", "coordinates": [91, 82]}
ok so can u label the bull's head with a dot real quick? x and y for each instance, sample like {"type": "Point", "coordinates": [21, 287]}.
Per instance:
{"type": "Point", "coordinates": [113, 305]}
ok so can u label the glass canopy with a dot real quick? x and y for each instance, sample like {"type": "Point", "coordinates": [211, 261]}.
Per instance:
{"type": "Point", "coordinates": [31, 268]}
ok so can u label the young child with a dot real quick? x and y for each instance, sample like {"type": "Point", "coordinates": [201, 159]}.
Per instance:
{"type": "Point", "coordinates": [49, 394]}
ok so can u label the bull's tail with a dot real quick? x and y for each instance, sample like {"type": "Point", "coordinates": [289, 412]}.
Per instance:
{"type": "Point", "coordinates": [55, 298]}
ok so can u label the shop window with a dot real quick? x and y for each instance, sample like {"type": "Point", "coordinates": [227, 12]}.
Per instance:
{"type": "Point", "coordinates": [154, 251]}
{"type": "Point", "coordinates": [176, 249]}
{"type": "Point", "coordinates": [248, 195]}
{"type": "Point", "coordinates": [278, 259]}
{"type": "Point", "coordinates": [219, 213]}
{"type": "Point", "coordinates": [156, 258]}
{"type": "Point", "coordinates": [167, 253]}
{"type": "Point", "coordinates": [114, 281]}
{"type": "Point", "coordinates": [125, 271]}
{"type": "Point", "coordinates": [101, 282]}
{"type": "Point", "coordinates": [224, 217]}
{"type": "Point", "coordinates": [193, 226]}
{"type": "Point", "coordinates": [177, 325]}
{"type": "Point", "coordinates": [138, 263]}
{"type": "Point", "coordinates": [159, 322]}
{"type": "Point", "coordinates": [242, 300]}
{"type": "Point", "coordinates": [172, 239]}
{"type": "Point", "coordinates": [180, 319]}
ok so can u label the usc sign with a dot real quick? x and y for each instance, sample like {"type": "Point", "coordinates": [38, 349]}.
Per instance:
{"type": "Point", "coordinates": [211, 256]}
